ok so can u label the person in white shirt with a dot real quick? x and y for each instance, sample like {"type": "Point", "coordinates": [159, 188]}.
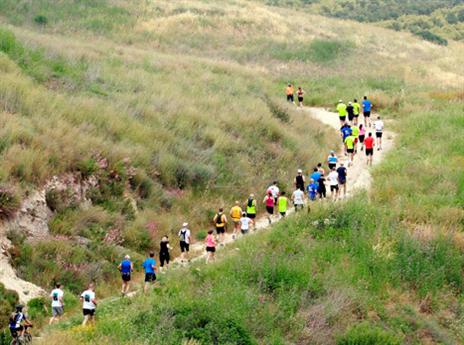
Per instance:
{"type": "Point", "coordinates": [184, 236]}
{"type": "Point", "coordinates": [298, 197]}
{"type": "Point", "coordinates": [57, 296]}
{"type": "Point", "coordinates": [89, 304]}
{"type": "Point", "coordinates": [378, 125]}
{"type": "Point", "coordinates": [245, 223]}
{"type": "Point", "coordinates": [274, 189]}
{"type": "Point", "coordinates": [333, 183]}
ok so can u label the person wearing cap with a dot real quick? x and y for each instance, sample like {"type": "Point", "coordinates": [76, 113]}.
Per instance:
{"type": "Point", "coordinates": [184, 236]}
{"type": "Point", "coordinates": [236, 214]}
{"type": "Point", "coordinates": [18, 322]}
{"type": "Point", "coordinates": [251, 208]}
{"type": "Point", "coordinates": [341, 108]}
{"type": "Point", "coordinates": [332, 160]}
{"type": "Point", "coordinates": [245, 223]}
{"type": "Point", "coordinates": [126, 267]}
{"type": "Point", "coordinates": [300, 180]}
{"type": "Point", "coordinates": [356, 111]}
{"type": "Point", "coordinates": [220, 222]}
{"type": "Point", "coordinates": [342, 174]}
{"type": "Point", "coordinates": [350, 111]}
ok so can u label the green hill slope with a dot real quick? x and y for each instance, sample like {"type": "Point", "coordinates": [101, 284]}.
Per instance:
{"type": "Point", "coordinates": [135, 87]}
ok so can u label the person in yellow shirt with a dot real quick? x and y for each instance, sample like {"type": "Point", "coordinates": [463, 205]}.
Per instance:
{"type": "Point", "coordinates": [357, 109]}
{"type": "Point", "coordinates": [349, 143]}
{"type": "Point", "coordinates": [290, 91]}
{"type": "Point", "coordinates": [220, 222]}
{"type": "Point", "coordinates": [236, 214]}
{"type": "Point", "coordinates": [342, 112]}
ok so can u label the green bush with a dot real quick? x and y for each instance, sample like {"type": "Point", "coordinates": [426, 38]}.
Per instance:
{"type": "Point", "coordinates": [201, 235]}
{"type": "Point", "coordinates": [367, 334]}
{"type": "Point", "coordinates": [8, 300]}
{"type": "Point", "coordinates": [431, 37]}
{"type": "Point", "coordinates": [9, 203]}
{"type": "Point", "coordinates": [57, 200]}
{"type": "Point", "coordinates": [41, 19]}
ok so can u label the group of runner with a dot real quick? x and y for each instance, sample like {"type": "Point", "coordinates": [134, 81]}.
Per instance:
{"type": "Point", "coordinates": [290, 91]}
{"type": "Point", "coordinates": [243, 218]}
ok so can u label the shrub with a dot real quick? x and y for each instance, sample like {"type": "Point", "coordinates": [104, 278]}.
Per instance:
{"type": "Point", "coordinates": [87, 167]}
{"type": "Point", "coordinates": [431, 37]}
{"type": "Point", "coordinates": [58, 200]}
{"type": "Point", "coordinates": [201, 235]}
{"type": "Point", "coordinates": [276, 110]}
{"type": "Point", "coordinates": [9, 203]}
{"type": "Point", "coordinates": [37, 308]}
{"type": "Point", "coordinates": [366, 334]}
{"type": "Point", "coordinates": [8, 300]}
{"type": "Point", "coordinates": [41, 20]}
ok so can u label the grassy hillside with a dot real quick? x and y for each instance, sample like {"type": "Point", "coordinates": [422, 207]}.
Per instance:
{"type": "Point", "coordinates": [386, 266]}
{"type": "Point", "coordinates": [433, 20]}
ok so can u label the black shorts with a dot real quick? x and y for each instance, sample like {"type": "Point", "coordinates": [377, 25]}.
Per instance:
{"type": "Point", "coordinates": [341, 181]}
{"type": "Point", "coordinates": [164, 258]}
{"type": "Point", "coordinates": [332, 165]}
{"type": "Point", "coordinates": [14, 331]}
{"type": "Point", "coordinates": [378, 134]}
{"type": "Point", "coordinates": [283, 214]}
{"type": "Point", "coordinates": [90, 312]}
{"type": "Point", "coordinates": [300, 99]}
{"type": "Point", "coordinates": [369, 152]}
{"type": "Point", "coordinates": [350, 117]}
{"type": "Point", "coordinates": [355, 116]}
{"type": "Point", "coordinates": [290, 98]}
{"type": "Point", "coordinates": [150, 277]}
{"type": "Point", "coordinates": [361, 139]}
{"type": "Point", "coordinates": [332, 188]}
{"type": "Point", "coordinates": [244, 231]}
{"type": "Point", "coordinates": [211, 249]}
{"type": "Point", "coordinates": [342, 118]}
{"type": "Point", "coordinates": [126, 277]}
{"type": "Point", "coordinates": [270, 209]}
{"type": "Point", "coordinates": [251, 215]}
{"type": "Point", "coordinates": [367, 114]}
{"type": "Point", "coordinates": [350, 150]}
{"type": "Point", "coordinates": [220, 230]}
{"type": "Point", "coordinates": [184, 246]}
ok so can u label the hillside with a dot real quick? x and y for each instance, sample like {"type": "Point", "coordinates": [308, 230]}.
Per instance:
{"type": "Point", "coordinates": [184, 101]}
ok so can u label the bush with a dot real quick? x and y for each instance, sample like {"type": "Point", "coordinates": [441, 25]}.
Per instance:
{"type": "Point", "coordinates": [201, 235]}
{"type": "Point", "coordinates": [9, 203]}
{"type": "Point", "coordinates": [87, 167]}
{"type": "Point", "coordinates": [276, 110]}
{"type": "Point", "coordinates": [8, 300]}
{"type": "Point", "coordinates": [431, 37]}
{"type": "Point", "coordinates": [366, 334]}
{"type": "Point", "coordinates": [41, 20]}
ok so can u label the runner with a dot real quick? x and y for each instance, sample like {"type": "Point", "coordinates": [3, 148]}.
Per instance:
{"type": "Point", "coordinates": [341, 108]}
{"type": "Point", "coordinates": [333, 182]}
{"type": "Point", "coordinates": [298, 199]}
{"type": "Point", "coordinates": [245, 223]}
{"type": "Point", "coordinates": [269, 202]}
{"type": "Point", "coordinates": [378, 125]}
{"type": "Point", "coordinates": [300, 93]}
{"type": "Point", "coordinates": [274, 190]}
{"type": "Point", "coordinates": [282, 203]}
{"type": "Point", "coordinates": [251, 208]}
{"type": "Point", "coordinates": [356, 110]}
{"type": "Point", "coordinates": [369, 143]}
{"type": "Point", "coordinates": [184, 236]}
{"type": "Point", "coordinates": [362, 135]}
{"type": "Point", "coordinates": [125, 267]}
{"type": "Point", "coordinates": [312, 190]}
{"type": "Point", "coordinates": [235, 214]}
{"type": "Point", "coordinates": [164, 255]}
{"type": "Point", "coordinates": [350, 111]}
{"type": "Point", "coordinates": [316, 175]}
{"type": "Point", "coordinates": [300, 180]}
{"type": "Point", "coordinates": [289, 90]}
{"type": "Point", "coordinates": [210, 242]}
{"type": "Point", "coordinates": [321, 190]}
{"type": "Point", "coordinates": [18, 323]}
{"type": "Point", "coordinates": [367, 106]}
{"type": "Point", "coordinates": [89, 304]}
{"type": "Point", "coordinates": [332, 160]}
{"type": "Point", "coordinates": [220, 221]}
{"type": "Point", "coordinates": [342, 173]}
{"type": "Point", "coordinates": [57, 296]}
{"type": "Point", "coordinates": [345, 132]}
{"type": "Point", "coordinates": [320, 169]}
{"type": "Point", "coordinates": [355, 133]}
{"type": "Point", "coordinates": [149, 265]}
{"type": "Point", "coordinates": [349, 143]}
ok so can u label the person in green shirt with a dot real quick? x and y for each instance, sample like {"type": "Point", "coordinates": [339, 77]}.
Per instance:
{"type": "Point", "coordinates": [349, 144]}
{"type": "Point", "coordinates": [251, 209]}
{"type": "Point", "coordinates": [355, 134]}
{"type": "Point", "coordinates": [341, 108]}
{"type": "Point", "coordinates": [357, 109]}
{"type": "Point", "coordinates": [282, 203]}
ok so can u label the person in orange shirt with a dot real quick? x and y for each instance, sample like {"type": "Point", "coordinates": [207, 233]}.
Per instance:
{"type": "Point", "coordinates": [290, 91]}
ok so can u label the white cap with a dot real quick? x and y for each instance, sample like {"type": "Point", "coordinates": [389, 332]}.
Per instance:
{"type": "Point", "coordinates": [127, 257]}
{"type": "Point", "coordinates": [300, 171]}
{"type": "Point", "coordinates": [185, 224]}
{"type": "Point", "coordinates": [340, 101]}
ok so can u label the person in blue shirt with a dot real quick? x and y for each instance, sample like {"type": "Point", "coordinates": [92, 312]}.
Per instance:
{"type": "Point", "coordinates": [316, 175]}
{"type": "Point", "coordinates": [367, 106]}
{"type": "Point", "coordinates": [345, 132]}
{"type": "Point", "coordinates": [126, 267]}
{"type": "Point", "coordinates": [312, 190]}
{"type": "Point", "coordinates": [149, 266]}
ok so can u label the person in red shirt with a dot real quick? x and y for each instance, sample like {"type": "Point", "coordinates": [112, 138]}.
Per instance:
{"type": "Point", "coordinates": [369, 145]}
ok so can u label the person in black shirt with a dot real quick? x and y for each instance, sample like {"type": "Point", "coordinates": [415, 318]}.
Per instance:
{"type": "Point", "coordinates": [300, 181]}
{"type": "Point", "coordinates": [350, 111]}
{"type": "Point", "coordinates": [164, 253]}
{"type": "Point", "coordinates": [342, 173]}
